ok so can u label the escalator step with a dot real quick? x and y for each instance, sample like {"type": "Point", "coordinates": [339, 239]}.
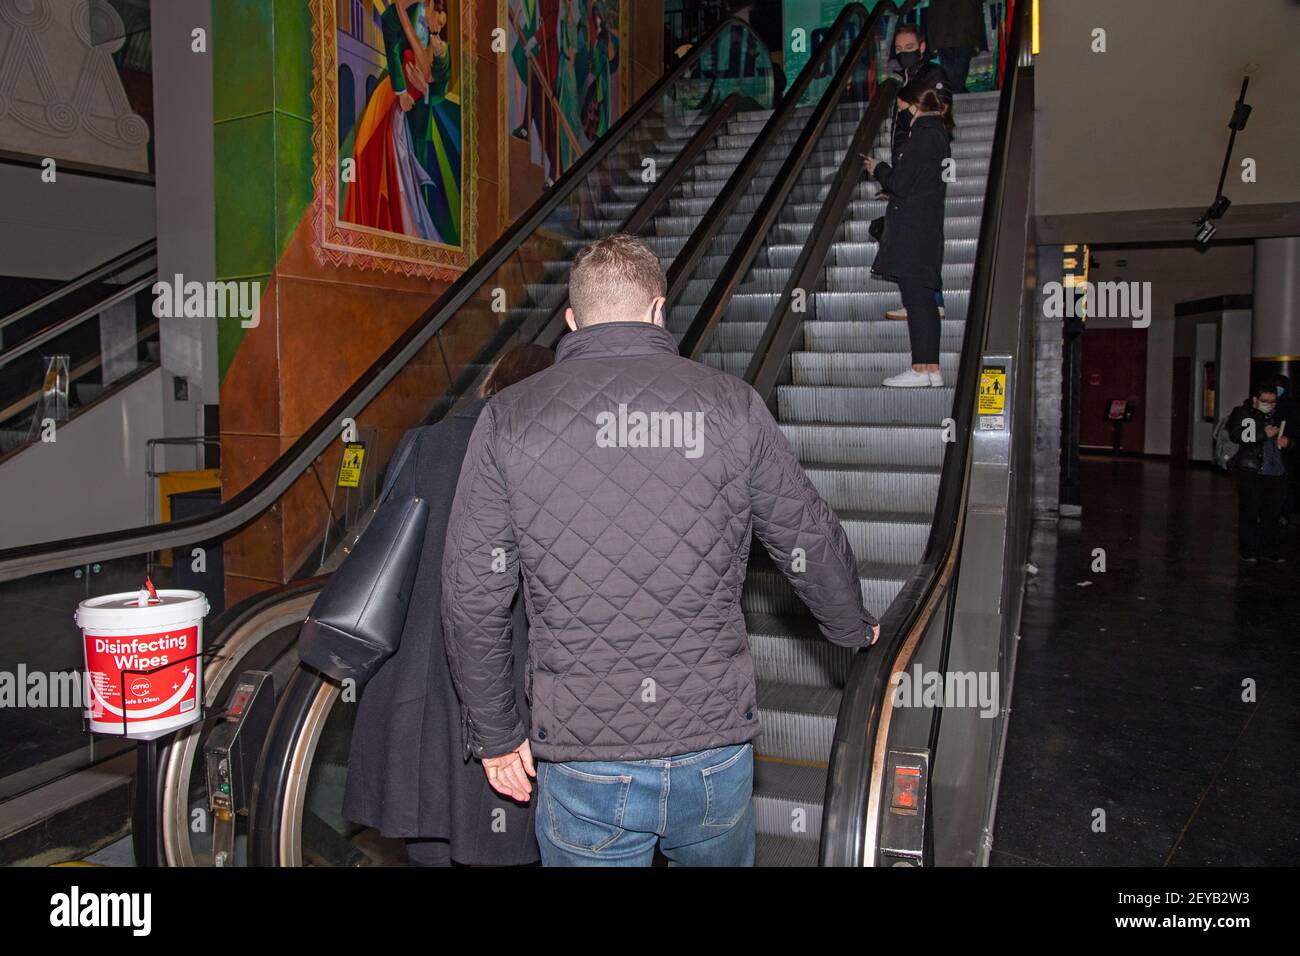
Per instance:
{"type": "Point", "coordinates": [792, 650]}
{"type": "Point", "coordinates": [797, 721]}
{"type": "Point", "coordinates": [776, 851]}
{"type": "Point", "coordinates": [788, 799]}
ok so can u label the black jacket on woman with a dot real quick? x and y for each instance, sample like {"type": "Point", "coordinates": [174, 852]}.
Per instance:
{"type": "Point", "coordinates": [407, 773]}
{"type": "Point", "coordinates": [912, 246]}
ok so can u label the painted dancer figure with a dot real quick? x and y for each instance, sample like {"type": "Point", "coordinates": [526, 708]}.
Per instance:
{"type": "Point", "coordinates": [407, 147]}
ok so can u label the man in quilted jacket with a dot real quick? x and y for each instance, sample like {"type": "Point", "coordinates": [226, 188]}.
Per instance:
{"type": "Point", "coordinates": [627, 482]}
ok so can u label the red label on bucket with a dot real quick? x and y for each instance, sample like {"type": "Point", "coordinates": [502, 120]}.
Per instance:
{"type": "Point", "coordinates": [166, 696]}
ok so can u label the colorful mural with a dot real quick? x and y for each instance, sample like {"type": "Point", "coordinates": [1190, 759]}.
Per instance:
{"type": "Point", "coordinates": [565, 77]}
{"type": "Point", "coordinates": [393, 111]}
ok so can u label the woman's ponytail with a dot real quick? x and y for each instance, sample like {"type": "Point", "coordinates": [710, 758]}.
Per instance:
{"type": "Point", "coordinates": [930, 100]}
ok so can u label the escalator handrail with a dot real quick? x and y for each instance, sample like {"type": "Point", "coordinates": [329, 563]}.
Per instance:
{"type": "Point", "coordinates": [697, 245]}
{"type": "Point", "coordinates": [131, 257]}
{"type": "Point", "coordinates": [120, 294]}
{"type": "Point", "coordinates": [760, 224]}
{"type": "Point", "coordinates": [851, 777]}
{"type": "Point", "coordinates": [776, 342]}
{"type": "Point", "coordinates": [267, 488]}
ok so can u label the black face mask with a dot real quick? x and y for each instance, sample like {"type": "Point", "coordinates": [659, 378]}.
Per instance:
{"type": "Point", "coordinates": [910, 60]}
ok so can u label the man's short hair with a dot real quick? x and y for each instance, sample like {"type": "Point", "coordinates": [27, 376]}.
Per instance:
{"type": "Point", "coordinates": [614, 280]}
{"type": "Point", "coordinates": [1263, 386]}
{"type": "Point", "coordinates": [910, 29]}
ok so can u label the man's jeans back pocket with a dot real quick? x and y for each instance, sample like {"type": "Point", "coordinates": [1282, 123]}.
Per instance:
{"type": "Point", "coordinates": [584, 811]}
{"type": "Point", "coordinates": [728, 785]}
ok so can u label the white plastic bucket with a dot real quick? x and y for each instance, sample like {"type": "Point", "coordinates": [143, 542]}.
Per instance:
{"type": "Point", "coordinates": [163, 638]}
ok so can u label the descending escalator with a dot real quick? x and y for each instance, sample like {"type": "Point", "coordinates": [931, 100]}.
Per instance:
{"type": "Point", "coordinates": [75, 344]}
{"type": "Point", "coordinates": [759, 211]}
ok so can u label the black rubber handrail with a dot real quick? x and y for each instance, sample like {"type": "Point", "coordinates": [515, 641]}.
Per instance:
{"type": "Point", "coordinates": [850, 780]}
{"type": "Point", "coordinates": [684, 265]}
{"type": "Point", "coordinates": [132, 256]}
{"type": "Point", "coordinates": [267, 488]}
{"type": "Point", "coordinates": [778, 338]}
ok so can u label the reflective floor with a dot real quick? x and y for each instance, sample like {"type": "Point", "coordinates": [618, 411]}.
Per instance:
{"type": "Point", "coordinates": [1155, 718]}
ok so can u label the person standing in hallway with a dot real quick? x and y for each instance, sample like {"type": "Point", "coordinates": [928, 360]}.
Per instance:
{"type": "Point", "coordinates": [1261, 475]}
{"type": "Point", "coordinates": [626, 482]}
{"type": "Point", "coordinates": [408, 776]}
{"type": "Point", "coordinates": [1289, 412]}
{"type": "Point", "coordinates": [956, 29]}
{"type": "Point", "coordinates": [911, 249]}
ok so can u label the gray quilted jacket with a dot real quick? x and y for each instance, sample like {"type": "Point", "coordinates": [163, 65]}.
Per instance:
{"type": "Point", "coordinates": [626, 480]}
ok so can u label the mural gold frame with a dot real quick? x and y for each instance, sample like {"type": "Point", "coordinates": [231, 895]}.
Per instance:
{"type": "Point", "coordinates": [345, 244]}
{"type": "Point", "coordinates": [503, 97]}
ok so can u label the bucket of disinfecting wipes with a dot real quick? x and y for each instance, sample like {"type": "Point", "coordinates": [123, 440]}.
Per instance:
{"type": "Point", "coordinates": [143, 670]}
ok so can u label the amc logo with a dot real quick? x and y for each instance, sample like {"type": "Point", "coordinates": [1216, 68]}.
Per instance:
{"type": "Point", "coordinates": [141, 686]}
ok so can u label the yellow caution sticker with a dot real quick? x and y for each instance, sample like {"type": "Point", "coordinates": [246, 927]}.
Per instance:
{"type": "Point", "coordinates": [993, 391]}
{"type": "Point", "coordinates": [354, 454]}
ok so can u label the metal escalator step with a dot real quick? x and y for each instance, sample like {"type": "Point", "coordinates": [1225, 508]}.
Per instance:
{"type": "Point", "coordinates": [733, 335]}
{"type": "Point", "coordinates": [733, 363]}
{"type": "Point", "coordinates": [768, 592]}
{"type": "Point", "coordinates": [882, 537]}
{"type": "Point", "coordinates": [866, 444]}
{"type": "Point", "coordinates": [791, 649]}
{"type": "Point", "coordinates": [784, 851]}
{"type": "Point", "coordinates": [788, 800]}
{"type": "Point", "coordinates": [881, 487]}
{"type": "Point", "coordinates": [875, 334]}
{"type": "Point", "coordinates": [871, 306]}
{"type": "Point", "coordinates": [863, 405]}
{"type": "Point", "coordinates": [797, 721]}
{"type": "Point", "coordinates": [782, 253]}
{"type": "Point", "coordinates": [860, 279]}
{"type": "Point", "coordinates": [867, 190]}
{"type": "Point", "coordinates": [866, 370]}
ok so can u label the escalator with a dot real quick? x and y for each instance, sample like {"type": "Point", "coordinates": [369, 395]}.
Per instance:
{"type": "Point", "coordinates": [759, 212]}
{"type": "Point", "coordinates": [100, 333]}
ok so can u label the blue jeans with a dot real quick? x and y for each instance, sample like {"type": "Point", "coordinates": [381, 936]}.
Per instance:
{"type": "Point", "coordinates": [696, 806]}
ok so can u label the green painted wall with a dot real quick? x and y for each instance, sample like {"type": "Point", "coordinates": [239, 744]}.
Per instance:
{"type": "Point", "coordinates": [261, 62]}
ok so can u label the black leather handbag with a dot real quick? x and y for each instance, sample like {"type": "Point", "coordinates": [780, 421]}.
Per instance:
{"type": "Point", "coordinates": [356, 622]}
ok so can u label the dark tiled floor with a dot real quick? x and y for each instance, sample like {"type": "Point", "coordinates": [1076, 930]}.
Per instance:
{"type": "Point", "coordinates": [1128, 691]}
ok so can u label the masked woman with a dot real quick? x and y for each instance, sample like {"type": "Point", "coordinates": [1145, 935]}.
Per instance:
{"type": "Point", "coordinates": [911, 249]}
{"type": "Point", "coordinates": [408, 776]}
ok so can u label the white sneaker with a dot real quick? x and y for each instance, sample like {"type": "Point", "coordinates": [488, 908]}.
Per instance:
{"type": "Point", "coordinates": [936, 379]}
{"type": "Point", "coordinates": [901, 314]}
{"type": "Point", "coordinates": [908, 379]}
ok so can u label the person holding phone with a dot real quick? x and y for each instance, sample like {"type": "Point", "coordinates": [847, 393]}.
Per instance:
{"type": "Point", "coordinates": [911, 249]}
{"type": "Point", "coordinates": [1261, 475]}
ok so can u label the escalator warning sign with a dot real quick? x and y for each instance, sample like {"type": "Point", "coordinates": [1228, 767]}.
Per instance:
{"type": "Point", "coordinates": [354, 454]}
{"type": "Point", "coordinates": [993, 390]}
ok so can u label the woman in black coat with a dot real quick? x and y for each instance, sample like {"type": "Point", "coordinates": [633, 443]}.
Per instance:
{"type": "Point", "coordinates": [408, 775]}
{"type": "Point", "coordinates": [911, 249]}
